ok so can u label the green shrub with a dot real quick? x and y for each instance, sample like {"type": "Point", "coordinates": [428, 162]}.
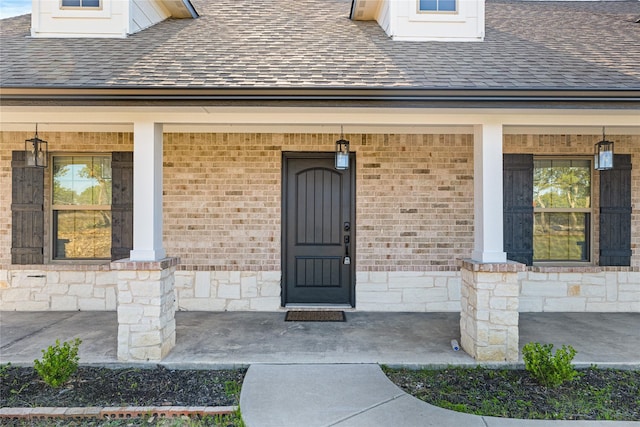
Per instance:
{"type": "Point", "coordinates": [232, 389]}
{"type": "Point", "coordinates": [58, 363]}
{"type": "Point", "coordinates": [549, 369]}
{"type": "Point", "coordinates": [4, 369]}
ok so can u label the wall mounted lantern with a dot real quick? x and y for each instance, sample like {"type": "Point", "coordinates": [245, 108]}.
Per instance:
{"type": "Point", "coordinates": [603, 157]}
{"type": "Point", "coordinates": [36, 151]}
{"type": "Point", "coordinates": [342, 152]}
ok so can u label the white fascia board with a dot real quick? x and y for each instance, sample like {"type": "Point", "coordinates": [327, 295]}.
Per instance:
{"type": "Point", "coordinates": [321, 116]}
{"type": "Point", "coordinates": [437, 39]}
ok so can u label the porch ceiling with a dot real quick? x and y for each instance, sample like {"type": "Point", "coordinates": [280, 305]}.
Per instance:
{"type": "Point", "coordinates": [211, 118]}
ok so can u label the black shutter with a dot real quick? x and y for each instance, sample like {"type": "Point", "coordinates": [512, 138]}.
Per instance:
{"type": "Point", "coordinates": [121, 205]}
{"type": "Point", "coordinates": [27, 212]}
{"type": "Point", "coordinates": [518, 207]}
{"type": "Point", "coordinates": [615, 213]}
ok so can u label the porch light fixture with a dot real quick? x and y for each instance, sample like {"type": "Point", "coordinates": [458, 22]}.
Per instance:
{"type": "Point", "coordinates": [342, 152]}
{"type": "Point", "coordinates": [603, 157]}
{"type": "Point", "coordinates": [36, 151]}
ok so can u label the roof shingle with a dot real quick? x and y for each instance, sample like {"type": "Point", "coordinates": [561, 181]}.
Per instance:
{"type": "Point", "coordinates": [313, 44]}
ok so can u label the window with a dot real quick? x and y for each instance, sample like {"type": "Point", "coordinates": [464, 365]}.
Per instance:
{"type": "Point", "coordinates": [28, 202]}
{"type": "Point", "coordinates": [437, 5]}
{"type": "Point", "coordinates": [81, 3]}
{"type": "Point", "coordinates": [565, 231]}
{"type": "Point", "coordinates": [562, 210]}
{"type": "Point", "coordinates": [81, 205]}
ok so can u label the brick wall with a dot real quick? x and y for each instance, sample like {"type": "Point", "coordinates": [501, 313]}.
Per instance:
{"type": "Point", "coordinates": [582, 145]}
{"type": "Point", "coordinates": [414, 217]}
{"type": "Point", "coordinates": [607, 289]}
{"type": "Point", "coordinates": [415, 204]}
{"type": "Point", "coordinates": [222, 201]}
{"type": "Point", "coordinates": [59, 142]}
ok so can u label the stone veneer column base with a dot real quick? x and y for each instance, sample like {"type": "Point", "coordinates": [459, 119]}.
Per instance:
{"type": "Point", "coordinates": [489, 312]}
{"type": "Point", "coordinates": [146, 309]}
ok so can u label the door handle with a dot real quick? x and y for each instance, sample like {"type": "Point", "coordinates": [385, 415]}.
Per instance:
{"type": "Point", "coordinates": [347, 258]}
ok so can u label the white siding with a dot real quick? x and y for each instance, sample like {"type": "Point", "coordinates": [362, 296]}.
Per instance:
{"type": "Point", "coordinates": [384, 17]}
{"type": "Point", "coordinates": [145, 13]}
{"type": "Point", "coordinates": [401, 20]}
{"type": "Point", "coordinates": [49, 20]}
{"type": "Point", "coordinates": [116, 18]}
{"type": "Point", "coordinates": [465, 25]}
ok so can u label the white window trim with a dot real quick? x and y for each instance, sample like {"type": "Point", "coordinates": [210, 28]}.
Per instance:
{"type": "Point", "coordinates": [62, 6]}
{"type": "Point", "coordinates": [438, 11]}
{"type": "Point", "coordinates": [104, 11]}
{"type": "Point", "coordinates": [460, 14]}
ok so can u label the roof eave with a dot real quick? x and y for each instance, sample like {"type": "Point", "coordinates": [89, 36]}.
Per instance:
{"type": "Point", "coordinates": [97, 93]}
{"type": "Point", "coordinates": [181, 8]}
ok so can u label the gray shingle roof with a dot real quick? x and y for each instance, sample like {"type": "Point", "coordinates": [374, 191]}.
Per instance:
{"type": "Point", "coordinates": [313, 44]}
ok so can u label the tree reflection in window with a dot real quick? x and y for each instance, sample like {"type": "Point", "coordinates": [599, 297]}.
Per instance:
{"type": "Point", "coordinates": [562, 206]}
{"type": "Point", "coordinates": [81, 207]}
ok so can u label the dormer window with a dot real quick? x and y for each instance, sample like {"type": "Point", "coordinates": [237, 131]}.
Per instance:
{"type": "Point", "coordinates": [93, 4]}
{"type": "Point", "coordinates": [437, 6]}
{"type": "Point", "coordinates": [103, 18]}
{"type": "Point", "coordinates": [424, 20]}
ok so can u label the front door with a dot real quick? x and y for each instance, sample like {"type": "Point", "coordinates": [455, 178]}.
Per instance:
{"type": "Point", "coordinates": [318, 230]}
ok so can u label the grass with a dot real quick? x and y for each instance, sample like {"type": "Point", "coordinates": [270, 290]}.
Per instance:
{"type": "Point", "coordinates": [596, 394]}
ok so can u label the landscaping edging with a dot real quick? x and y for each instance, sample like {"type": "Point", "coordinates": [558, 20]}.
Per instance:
{"type": "Point", "coordinates": [115, 412]}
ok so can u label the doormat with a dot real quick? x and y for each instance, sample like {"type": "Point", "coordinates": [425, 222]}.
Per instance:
{"type": "Point", "coordinates": [315, 316]}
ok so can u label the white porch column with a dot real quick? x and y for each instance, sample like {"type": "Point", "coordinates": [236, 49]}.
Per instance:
{"type": "Point", "coordinates": [487, 158]}
{"type": "Point", "coordinates": [489, 292]}
{"type": "Point", "coordinates": [147, 192]}
{"type": "Point", "coordinates": [146, 281]}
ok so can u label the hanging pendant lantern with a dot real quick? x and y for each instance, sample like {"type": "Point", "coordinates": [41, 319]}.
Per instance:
{"type": "Point", "coordinates": [342, 152]}
{"type": "Point", "coordinates": [36, 151]}
{"type": "Point", "coordinates": [603, 157]}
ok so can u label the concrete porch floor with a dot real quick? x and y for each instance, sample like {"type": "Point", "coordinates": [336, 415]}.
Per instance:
{"type": "Point", "coordinates": [230, 339]}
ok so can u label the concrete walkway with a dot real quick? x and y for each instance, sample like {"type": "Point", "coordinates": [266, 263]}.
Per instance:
{"type": "Point", "coordinates": [354, 396]}
{"type": "Point", "coordinates": [335, 395]}
{"type": "Point", "coordinates": [326, 374]}
{"type": "Point", "coordinates": [212, 340]}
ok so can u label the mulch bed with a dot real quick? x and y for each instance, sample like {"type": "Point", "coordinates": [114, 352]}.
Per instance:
{"type": "Point", "coordinates": [596, 394]}
{"type": "Point", "coordinates": [94, 386]}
